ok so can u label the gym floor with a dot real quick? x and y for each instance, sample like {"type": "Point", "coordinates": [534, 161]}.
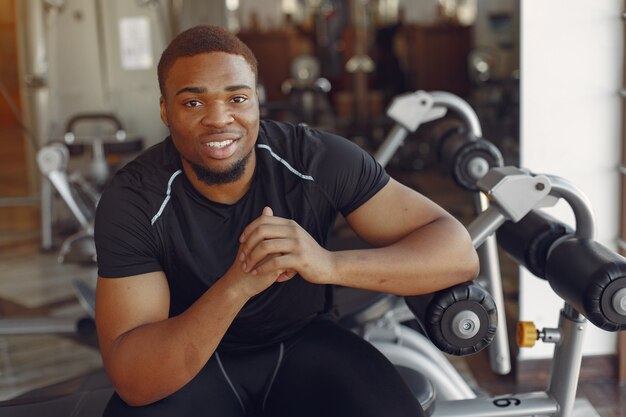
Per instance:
{"type": "Point", "coordinates": [33, 284]}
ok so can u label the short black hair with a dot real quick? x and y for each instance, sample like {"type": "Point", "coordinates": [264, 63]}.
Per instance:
{"type": "Point", "coordinates": [199, 40]}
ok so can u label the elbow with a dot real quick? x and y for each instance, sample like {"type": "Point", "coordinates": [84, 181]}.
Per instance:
{"type": "Point", "coordinates": [471, 266]}
{"type": "Point", "coordinates": [132, 391]}
{"type": "Point", "coordinates": [468, 265]}
{"type": "Point", "coordinates": [132, 395]}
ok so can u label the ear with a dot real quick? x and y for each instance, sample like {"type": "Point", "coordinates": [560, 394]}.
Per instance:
{"type": "Point", "coordinates": [163, 111]}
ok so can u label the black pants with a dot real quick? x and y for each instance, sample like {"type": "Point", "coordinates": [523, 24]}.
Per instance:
{"type": "Point", "coordinates": [324, 371]}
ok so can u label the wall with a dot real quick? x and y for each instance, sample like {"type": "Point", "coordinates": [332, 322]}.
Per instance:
{"type": "Point", "coordinates": [202, 12]}
{"type": "Point", "coordinates": [424, 11]}
{"type": "Point", "coordinates": [86, 72]}
{"type": "Point", "coordinates": [268, 14]}
{"type": "Point", "coordinates": [571, 71]}
{"type": "Point", "coordinates": [16, 183]}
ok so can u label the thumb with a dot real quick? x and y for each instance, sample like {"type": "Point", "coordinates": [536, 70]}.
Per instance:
{"type": "Point", "coordinates": [267, 211]}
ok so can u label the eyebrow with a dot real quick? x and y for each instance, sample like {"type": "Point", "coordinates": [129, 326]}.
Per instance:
{"type": "Point", "coordinates": [202, 90]}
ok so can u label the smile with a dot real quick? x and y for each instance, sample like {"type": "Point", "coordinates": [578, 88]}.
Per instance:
{"type": "Point", "coordinates": [219, 145]}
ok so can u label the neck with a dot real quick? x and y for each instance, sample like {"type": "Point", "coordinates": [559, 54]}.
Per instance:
{"type": "Point", "coordinates": [228, 193]}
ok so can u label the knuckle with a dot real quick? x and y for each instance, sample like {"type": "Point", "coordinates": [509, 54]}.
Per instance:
{"type": "Point", "coordinates": [266, 246]}
{"type": "Point", "coordinates": [274, 262]}
{"type": "Point", "coordinates": [244, 249]}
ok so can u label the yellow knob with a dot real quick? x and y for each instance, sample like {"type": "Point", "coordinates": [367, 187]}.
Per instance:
{"type": "Point", "coordinates": [526, 334]}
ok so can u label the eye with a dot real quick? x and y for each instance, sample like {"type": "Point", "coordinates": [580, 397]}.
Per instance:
{"type": "Point", "coordinates": [193, 103]}
{"type": "Point", "coordinates": [239, 99]}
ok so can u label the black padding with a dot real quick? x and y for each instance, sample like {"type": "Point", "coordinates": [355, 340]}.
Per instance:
{"type": "Point", "coordinates": [529, 240]}
{"type": "Point", "coordinates": [93, 117]}
{"type": "Point", "coordinates": [587, 275]}
{"type": "Point", "coordinates": [126, 147]}
{"type": "Point", "coordinates": [437, 311]}
{"type": "Point", "coordinates": [458, 148]}
{"type": "Point", "coordinates": [86, 327]}
{"type": "Point", "coordinates": [421, 387]}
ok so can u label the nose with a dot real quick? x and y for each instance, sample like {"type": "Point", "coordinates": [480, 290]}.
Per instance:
{"type": "Point", "coordinates": [217, 115]}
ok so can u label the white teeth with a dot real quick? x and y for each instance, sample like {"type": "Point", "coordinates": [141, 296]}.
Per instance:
{"type": "Point", "coordinates": [219, 145]}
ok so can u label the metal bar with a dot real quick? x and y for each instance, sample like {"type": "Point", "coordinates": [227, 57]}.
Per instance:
{"type": "Point", "coordinates": [622, 357]}
{"type": "Point", "coordinates": [485, 225]}
{"type": "Point", "coordinates": [566, 360]}
{"type": "Point", "coordinates": [514, 405]}
{"type": "Point", "coordinates": [581, 206]}
{"type": "Point", "coordinates": [418, 342]}
{"type": "Point", "coordinates": [498, 350]}
{"type": "Point", "coordinates": [445, 388]}
{"type": "Point", "coordinates": [395, 139]}
{"type": "Point", "coordinates": [46, 214]}
{"type": "Point", "coordinates": [45, 325]}
{"type": "Point", "coordinates": [59, 180]}
{"type": "Point", "coordinates": [456, 103]}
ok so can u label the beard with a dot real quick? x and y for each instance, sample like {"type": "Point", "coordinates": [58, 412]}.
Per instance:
{"type": "Point", "coordinates": [212, 177]}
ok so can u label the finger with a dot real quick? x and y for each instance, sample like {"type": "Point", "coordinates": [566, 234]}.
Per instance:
{"type": "Point", "coordinates": [267, 231]}
{"type": "Point", "coordinates": [282, 263]}
{"type": "Point", "coordinates": [267, 215]}
{"type": "Point", "coordinates": [269, 272]}
{"type": "Point", "coordinates": [265, 249]}
{"type": "Point", "coordinates": [286, 276]}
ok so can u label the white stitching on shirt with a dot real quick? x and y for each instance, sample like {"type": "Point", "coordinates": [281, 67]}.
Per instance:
{"type": "Point", "coordinates": [285, 163]}
{"type": "Point", "coordinates": [167, 197]}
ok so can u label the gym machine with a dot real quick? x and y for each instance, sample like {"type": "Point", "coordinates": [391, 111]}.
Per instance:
{"type": "Point", "coordinates": [590, 278]}
{"type": "Point", "coordinates": [463, 319]}
{"type": "Point", "coordinates": [306, 92]}
{"type": "Point", "coordinates": [80, 194]}
{"type": "Point", "coordinates": [460, 320]}
{"type": "Point", "coordinates": [468, 157]}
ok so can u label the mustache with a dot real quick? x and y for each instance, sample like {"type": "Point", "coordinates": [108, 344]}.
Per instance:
{"type": "Point", "coordinates": [222, 131]}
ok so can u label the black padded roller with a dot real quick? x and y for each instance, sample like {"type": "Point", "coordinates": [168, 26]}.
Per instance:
{"type": "Point", "coordinates": [467, 158]}
{"type": "Point", "coordinates": [529, 240]}
{"type": "Point", "coordinates": [460, 320]}
{"type": "Point", "coordinates": [592, 279]}
{"type": "Point", "coordinates": [92, 117]}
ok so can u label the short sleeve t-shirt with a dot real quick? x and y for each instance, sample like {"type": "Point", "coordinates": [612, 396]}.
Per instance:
{"type": "Point", "coordinates": [150, 218]}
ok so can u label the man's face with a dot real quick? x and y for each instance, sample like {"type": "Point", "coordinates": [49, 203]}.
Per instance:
{"type": "Point", "coordinates": [212, 111]}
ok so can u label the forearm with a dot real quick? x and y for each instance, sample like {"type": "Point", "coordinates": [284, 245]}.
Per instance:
{"type": "Point", "coordinates": [152, 361]}
{"type": "Point", "coordinates": [435, 256]}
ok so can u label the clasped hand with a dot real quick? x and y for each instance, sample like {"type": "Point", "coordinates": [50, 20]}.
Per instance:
{"type": "Point", "coordinates": [281, 248]}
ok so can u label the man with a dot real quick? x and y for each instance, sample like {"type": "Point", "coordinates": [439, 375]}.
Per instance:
{"type": "Point", "coordinates": [213, 295]}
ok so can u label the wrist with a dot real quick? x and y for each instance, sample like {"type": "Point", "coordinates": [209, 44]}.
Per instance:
{"type": "Point", "coordinates": [333, 274]}
{"type": "Point", "coordinates": [236, 288]}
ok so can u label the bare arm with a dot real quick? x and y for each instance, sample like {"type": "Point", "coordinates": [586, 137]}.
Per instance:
{"type": "Point", "coordinates": [149, 356]}
{"type": "Point", "coordinates": [419, 247]}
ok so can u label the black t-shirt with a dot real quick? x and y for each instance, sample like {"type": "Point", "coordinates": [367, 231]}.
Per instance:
{"type": "Point", "coordinates": [150, 218]}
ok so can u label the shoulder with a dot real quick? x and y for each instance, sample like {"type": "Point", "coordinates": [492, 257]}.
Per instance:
{"type": "Point", "coordinates": [296, 135]}
{"type": "Point", "coordinates": [153, 167]}
{"type": "Point", "coordinates": [305, 146]}
{"type": "Point", "coordinates": [144, 182]}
